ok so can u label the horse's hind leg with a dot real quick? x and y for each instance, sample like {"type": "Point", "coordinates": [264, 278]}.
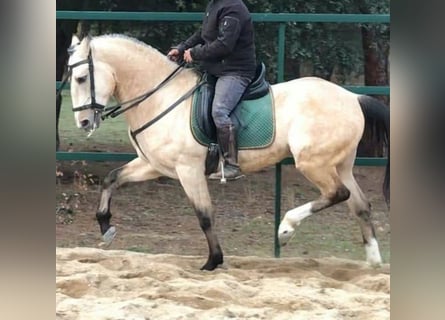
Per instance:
{"type": "Point", "coordinates": [195, 186]}
{"type": "Point", "coordinates": [134, 171]}
{"type": "Point", "coordinates": [360, 207]}
{"type": "Point", "coordinates": [332, 191]}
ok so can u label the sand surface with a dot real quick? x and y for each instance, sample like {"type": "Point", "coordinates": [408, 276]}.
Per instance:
{"type": "Point", "coordinates": [115, 284]}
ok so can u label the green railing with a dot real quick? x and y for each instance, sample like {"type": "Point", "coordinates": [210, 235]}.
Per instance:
{"type": "Point", "coordinates": [282, 19]}
{"type": "Point", "coordinates": [197, 16]}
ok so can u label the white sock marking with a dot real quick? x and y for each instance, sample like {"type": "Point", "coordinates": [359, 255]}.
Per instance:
{"type": "Point", "coordinates": [373, 253]}
{"type": "Point", "coordinates": [295, 216]}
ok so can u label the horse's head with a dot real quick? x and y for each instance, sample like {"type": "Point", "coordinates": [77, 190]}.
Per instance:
{"type": "Point", "coordinates": [92, 85]}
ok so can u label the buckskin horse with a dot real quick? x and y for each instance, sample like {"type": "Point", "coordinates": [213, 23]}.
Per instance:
{"type": "Point", "coordinates": [316, 122]}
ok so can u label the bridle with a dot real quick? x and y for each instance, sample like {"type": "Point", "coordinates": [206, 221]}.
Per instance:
{"type": "Point", "coordinates": [112, 111]}
{"type": "Point", "coordinates": [93, 105]}
{"type": "Point", "coordinates": [115, 110]}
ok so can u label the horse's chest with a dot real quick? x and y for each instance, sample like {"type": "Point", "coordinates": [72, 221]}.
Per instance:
{"type": "Point", "coordinates": [163, 158]}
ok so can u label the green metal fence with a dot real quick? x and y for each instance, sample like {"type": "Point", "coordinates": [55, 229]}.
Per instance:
{"type": "Point", "coordinates": [282, 19]}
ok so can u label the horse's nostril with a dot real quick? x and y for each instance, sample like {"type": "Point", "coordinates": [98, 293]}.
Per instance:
{"type": "Point", "coordinates": [85, 123]}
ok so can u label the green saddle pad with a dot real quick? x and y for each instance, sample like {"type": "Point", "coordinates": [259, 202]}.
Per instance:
{"type": "Point", "coordinates": [254, 120]}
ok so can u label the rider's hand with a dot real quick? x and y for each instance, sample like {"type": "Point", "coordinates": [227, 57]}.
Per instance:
{"type": "Point", "coordinates": [187, 56]}
{"type": "Point", "coordinates": [174, 55]}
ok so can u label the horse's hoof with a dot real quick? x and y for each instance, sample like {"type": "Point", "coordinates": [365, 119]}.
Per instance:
{"type": "Point", "coordinates": [213, 264]}
{"type": "Point", "coordinates": [109, 236]}
{"type": "Point", "coordinates": [209, 266]}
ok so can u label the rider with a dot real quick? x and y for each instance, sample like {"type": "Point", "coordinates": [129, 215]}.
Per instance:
{"type": "Point", "coordinates": [224, 46]}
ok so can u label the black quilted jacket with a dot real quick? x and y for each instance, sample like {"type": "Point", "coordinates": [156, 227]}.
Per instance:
{"type": "Point", "coordinates": [224, 45]}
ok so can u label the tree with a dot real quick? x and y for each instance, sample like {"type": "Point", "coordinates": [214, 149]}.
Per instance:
{"type": "Point", "coordinates": [375, 42]}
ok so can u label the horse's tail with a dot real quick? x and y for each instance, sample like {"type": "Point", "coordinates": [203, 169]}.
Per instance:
{"type": "Point", "coordinates": [377, 121]}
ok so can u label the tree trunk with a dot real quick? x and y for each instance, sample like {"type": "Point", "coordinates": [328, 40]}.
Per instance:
{"type": "Point", "coordinates": [375, 51]}
{"type": "Point", "coordinates": [292, 68]}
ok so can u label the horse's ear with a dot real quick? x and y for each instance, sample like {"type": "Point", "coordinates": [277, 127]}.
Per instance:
{"type": "Point", "coordinates": [74, 44]}
{"type": "Point", "coordinates": [88, 37]}
{"type": "Point", "coordinates": [87, 41]}
{"type": "Point", "coordinates": [75, 41]}
{"type": "Point", "coordinates": [84, 46]}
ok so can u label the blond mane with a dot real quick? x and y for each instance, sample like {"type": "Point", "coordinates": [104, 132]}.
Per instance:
{"type": "Point", "coordinates": [136, 47]}
{"type": "Point", "coordinates": [124, 40]}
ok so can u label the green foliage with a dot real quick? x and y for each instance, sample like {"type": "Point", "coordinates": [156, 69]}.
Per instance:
{"type": "Point", "coordinates": [321, 49]}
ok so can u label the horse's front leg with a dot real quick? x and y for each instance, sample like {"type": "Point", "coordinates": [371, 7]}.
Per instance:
{"type": "Point", "coordinates": [134, 171]}
{"type": "Point", "coordinates": [195, 186]}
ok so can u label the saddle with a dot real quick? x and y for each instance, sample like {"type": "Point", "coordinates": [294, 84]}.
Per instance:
{"type": "Point", "coordinates": [258, 88]}
{"type": "Point", "coordinates": [253, 117]}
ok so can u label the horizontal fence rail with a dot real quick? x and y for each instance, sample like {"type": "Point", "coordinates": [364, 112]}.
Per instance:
{"type": "Point", "coordinates": [378, 90]}
{"type": "Point", "coordinates": [127, 156]}
{"type": "Point", "coordinates": [197, 16]}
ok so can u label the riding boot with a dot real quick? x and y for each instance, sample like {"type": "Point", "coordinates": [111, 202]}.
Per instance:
{"type": "Point", "coordinates": [228, 144]}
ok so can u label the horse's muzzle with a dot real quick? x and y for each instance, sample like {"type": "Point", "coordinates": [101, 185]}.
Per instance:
{"type": "Point", "coordinates": [89, 123]}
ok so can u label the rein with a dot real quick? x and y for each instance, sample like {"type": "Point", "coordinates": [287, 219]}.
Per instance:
{"type": "Point", "coordinates": [163, 113]}
{"type": "Point", "coordinates": [114, 111]}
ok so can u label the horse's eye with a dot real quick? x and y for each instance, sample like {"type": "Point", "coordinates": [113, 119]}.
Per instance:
{"type": "Point", "coordinates": [81, 79]}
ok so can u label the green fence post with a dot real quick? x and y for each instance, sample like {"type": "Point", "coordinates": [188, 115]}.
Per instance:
{"type": "Point", "coordinates": [280, 78]}
{"type": "Point", "coordinates": [277, 208]}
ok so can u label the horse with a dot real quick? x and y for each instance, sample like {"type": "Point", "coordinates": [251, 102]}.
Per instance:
{"type": "Point", "coordinates": [318, 123]}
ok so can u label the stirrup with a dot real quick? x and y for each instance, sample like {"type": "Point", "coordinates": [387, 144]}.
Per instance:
{"type": "Point", "coordinates": [222, 174]}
